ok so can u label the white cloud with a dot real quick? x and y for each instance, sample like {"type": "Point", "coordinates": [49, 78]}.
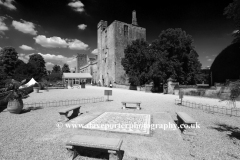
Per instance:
{"type": "Point", "coordinates": [0, 48]}
{"type": "Point", "coordinates": [209, 60]}
{"type": "Point", "coordinates": [58, 42]}
{"type": "Point", "coordinates": [8, 4]}
{"type": "Point", "coordinates": [25, 27]}
{"type": "Point", "coordinates": [77, 6]}
{"type": "Point", "coordinates": [49, 65]}
{"type": "Point", "coordinates": [95, 51]}
{"type": "Point", "coordinates": [24, 57]}
{"type": "Point", "coordinates": [25, 47]}
{"type": "Point", "coordinates": [82, 26]}
{"type": "Point", "coordinates": [52, 42]}
{"type": "Point", "coordinates": [77, 45]}
{"type": "Point", "coordinates": [52, 59]}
{"type": "Point", "coordinates": [3, 26]}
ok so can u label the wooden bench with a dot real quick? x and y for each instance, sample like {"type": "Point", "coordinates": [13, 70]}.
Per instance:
{"type": "Point", "coordinates": [129, 102]}
{"type": "Point", "coordinates": [113, 145]}
{"type": "Point", "coordinates": [184, 118]}
{"type": "Point", "coordinates": [64, 112]}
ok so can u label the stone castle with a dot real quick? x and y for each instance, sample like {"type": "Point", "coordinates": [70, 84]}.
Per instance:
{"type": "Point", "coordinates": [106, 67]}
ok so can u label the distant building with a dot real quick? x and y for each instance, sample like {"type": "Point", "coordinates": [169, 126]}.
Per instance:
{"type": "Point", "coordinates": [75, 78]}
{"type": "Point", "coordinates": [86, 64]}
{"type": "Point", "coordinates": [112, 40]}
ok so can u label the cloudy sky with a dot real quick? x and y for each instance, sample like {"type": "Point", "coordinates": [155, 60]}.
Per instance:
{"type": "Point", "coordinates": [59, 29]}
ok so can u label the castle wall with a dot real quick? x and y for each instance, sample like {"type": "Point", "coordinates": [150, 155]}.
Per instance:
{"type": "Point", "coordinates": [124, 38]}
{"type": "Point", "coordinates": [106, 51]}
{"type": "Point", "coordinates": [94, 71]}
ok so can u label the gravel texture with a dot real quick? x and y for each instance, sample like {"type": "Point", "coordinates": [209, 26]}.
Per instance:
{"type": "Point", "coordinates": [34, 135]}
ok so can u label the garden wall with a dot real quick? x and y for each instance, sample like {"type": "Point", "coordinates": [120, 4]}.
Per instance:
{"type": "Point", "coordinates": [128, 87]}
{"type": "Point", "coordinates": [212, 92]}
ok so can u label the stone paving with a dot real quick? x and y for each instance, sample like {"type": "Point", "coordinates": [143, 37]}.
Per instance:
{"type": "Point", "coordinates": [121, 122]}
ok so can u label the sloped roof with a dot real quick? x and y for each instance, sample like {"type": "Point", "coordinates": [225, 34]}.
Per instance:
{"type": "Point", "coordinates": [77, 75]}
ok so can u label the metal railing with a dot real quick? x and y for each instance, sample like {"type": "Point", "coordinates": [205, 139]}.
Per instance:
{"type": "Point", "coordinates": [211, 109]}
{"type": "Point", "coordinates": [65, 102]}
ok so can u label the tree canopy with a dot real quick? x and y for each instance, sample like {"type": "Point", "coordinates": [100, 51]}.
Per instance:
{"type": "Point", "coordinates": [8, 59]}
{"type": "Point", "coordinates": [182, 59]}
{"type": "Point", "coordinates": [171, 55]}
{"type": "Point", "coordinates": [232, 11]}
{"type": "Point", "coordinates": [38, 62]}
{"type": "Point", "coordinates": [135, 62]}
{"type": "Point", "coordinates": [23, 71]}
{"type": "Point", "coordinates": [65, 68]}
{"type": "Point", "coordinates": [56, 69]}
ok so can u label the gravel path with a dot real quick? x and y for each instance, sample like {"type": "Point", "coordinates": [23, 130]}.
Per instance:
{"type": "Point", "coordinates": [33, 135]}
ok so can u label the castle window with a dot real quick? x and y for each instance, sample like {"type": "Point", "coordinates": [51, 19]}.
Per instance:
{"type": "Point", "coordinates": [125, 30]}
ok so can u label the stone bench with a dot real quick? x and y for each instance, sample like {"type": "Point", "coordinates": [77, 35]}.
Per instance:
{"type": "Point", "coordinates": [64, 112]}
{"type": "Point", "coordinates": [184, 118]}
{"type": "Point", "coordinates": [129, 102]}
{"type": "Point", "coordinates": [113, 145]}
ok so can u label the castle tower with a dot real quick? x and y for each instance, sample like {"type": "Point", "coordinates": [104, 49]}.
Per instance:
{"type": "Point", "coordinates": [134, 18]}
{"type": "Point", "coordinates": [82, 60]}
{"type": "Point", "coordinates": [112, 40]}
{"type": "Point", "coordinates": [101, 28]}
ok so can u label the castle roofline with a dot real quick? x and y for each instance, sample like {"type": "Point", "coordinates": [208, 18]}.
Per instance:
{"type": "Point", "coordinates": [116, 21]}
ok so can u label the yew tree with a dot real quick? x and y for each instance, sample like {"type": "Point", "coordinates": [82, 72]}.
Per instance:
{"type": "Point", "coordinates": [135, 62]}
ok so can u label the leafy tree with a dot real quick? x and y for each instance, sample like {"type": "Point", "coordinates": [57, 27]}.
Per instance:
{"type": "Point", "coordinates": [23, 71]}
{"type": "Point", "coordinates": [177, 56]}
{"type": "Point", "coordinates": [65, 68]}
{"type": "Point", "coordinates": [233, 11]}
{"type": "Point", "coordinates": [38, 62]}
{"type": "Point", "coordinates": [8, 59]}
{"type": "Point", "coordinates": [171, 55]}
{"type": "Point", "coordinates": [56, 69]}
{"type": "Point", "coordinates": [135, 62]}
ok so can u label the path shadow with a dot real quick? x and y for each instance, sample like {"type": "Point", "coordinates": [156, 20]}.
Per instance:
{"type": "Point", "coordinates": [28, 109]}
{"type": "Point", "coordinates": [95, 153]}
{"type": "Point", "coordinates": [235, 131]}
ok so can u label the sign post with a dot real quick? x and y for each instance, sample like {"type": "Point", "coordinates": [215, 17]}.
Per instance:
{"type": "Point", "coordinates": [108, 93]}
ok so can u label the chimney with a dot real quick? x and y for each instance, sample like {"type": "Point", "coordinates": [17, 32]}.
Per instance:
{"type": "Point", "coordinates": [134, 18]}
